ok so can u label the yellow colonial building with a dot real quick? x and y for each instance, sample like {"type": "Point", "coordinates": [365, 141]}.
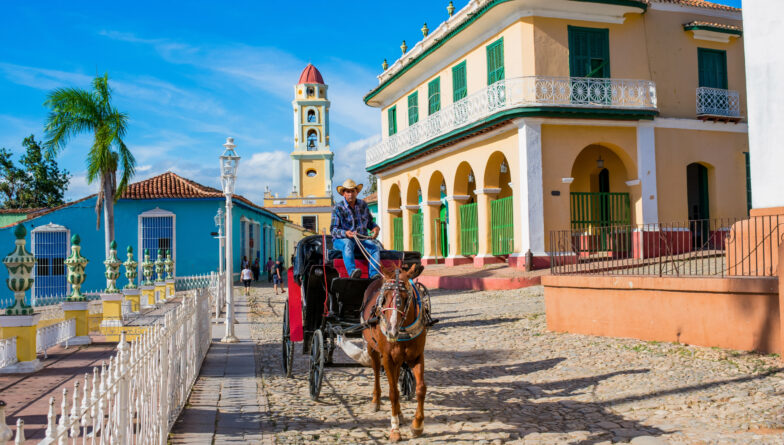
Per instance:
{"type": "Point", "coordinates": [310, 202]}
{"type": "Point", "coordinates": [517, 117]}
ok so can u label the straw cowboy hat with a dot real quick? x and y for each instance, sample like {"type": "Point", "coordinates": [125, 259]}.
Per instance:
{"type": "Point", "coordinates": [349, 184]}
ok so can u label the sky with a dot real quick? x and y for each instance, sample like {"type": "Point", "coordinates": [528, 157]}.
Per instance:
{"type": "Point", "coordinates": [191, 74]}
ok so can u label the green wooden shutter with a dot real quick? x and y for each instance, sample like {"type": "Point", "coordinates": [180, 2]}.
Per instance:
{"type": "Point", "coordinates": [495, 61]}
{"type": "Point", "coordinates": [748, 181]}
{"type": "Point", "coordinates": [397, 233]}
{"type": "Point", "coordinates": [392, 120]}
{"type": "Point", "coordinates": [459, 80]}
{"type": "Point", "coordinates": [712, 66]}
{"type": "Point", "coordinates": [434, 95]}
{"type": "Point", "coordinates": [589, 52]}
{"type": "Point", "coordinates": [413, 108]}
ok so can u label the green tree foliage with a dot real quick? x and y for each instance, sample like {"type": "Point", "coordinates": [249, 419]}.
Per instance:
{"type": "Point", "coordinates": [371, 188]}
{"type": "Point", "coordinates": [36, 182]}
{"type": "Point", "coordinates": [75, 111]}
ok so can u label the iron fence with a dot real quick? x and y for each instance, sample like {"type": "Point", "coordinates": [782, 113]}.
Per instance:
{"type": "Point", "coordinates": [710, 247]}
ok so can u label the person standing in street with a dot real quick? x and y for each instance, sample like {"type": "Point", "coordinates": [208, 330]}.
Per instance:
{"type": "Point", "coordinates": [268, 267]}
{"type": "Point", "coordinates": [256, 270]}
{"type": "Point", "coordinates": [277, 277]}
{"type": "Point", "coordinates": [246, 276]}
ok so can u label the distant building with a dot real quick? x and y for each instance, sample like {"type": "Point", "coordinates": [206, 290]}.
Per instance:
{"type": "Point", "coordinates": [166, 212]}
{"type": "Point", "coordinates": [515, 118]}
{"type": "Point", "coordinates": [310, 202]}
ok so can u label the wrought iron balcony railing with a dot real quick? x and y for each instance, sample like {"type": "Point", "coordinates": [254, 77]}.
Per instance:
{"type": "Point", "coordinates": [520, 92]}
{"type": "Point", "coordinates": [718, 102]}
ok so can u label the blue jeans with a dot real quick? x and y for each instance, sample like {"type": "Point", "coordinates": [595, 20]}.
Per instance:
{"type": "Point", "coordinates": [347, 245]}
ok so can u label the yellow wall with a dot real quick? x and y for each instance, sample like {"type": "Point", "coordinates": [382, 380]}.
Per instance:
{"type": "Point", "coordinates": [315, 186]}
{"type": "Point", "coordinates": [722, 153]}
{"type": "Point", "coordinates": [323, 220]}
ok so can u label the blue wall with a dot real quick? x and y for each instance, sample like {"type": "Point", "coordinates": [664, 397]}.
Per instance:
{"type": "Point", "coordinates": [196, 251]}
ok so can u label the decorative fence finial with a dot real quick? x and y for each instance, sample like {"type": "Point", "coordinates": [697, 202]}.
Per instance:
{"type": "Point", "coordinates": [168, 265]}
{"type": "Point", "coordinates": [130, 269]}
{"type": "Point", "coordinates": [404, 47]}
{"type": "Point", "coordinates": [147, 267]}
{"type": "Point", "coordinates": [20, 269]}
{"type": "Point", "coordinates": [450, 9]}
{"type": "Point", "coordinates": [159, 266]}
{"type": "Point", "coordinates": [112, 269]}
{"type": "Point", "coordinates": [76, 264]}
{"type": "Point", "coordinates": [425, 30]}
{"type": "Point", "coordinates": [385, 65]}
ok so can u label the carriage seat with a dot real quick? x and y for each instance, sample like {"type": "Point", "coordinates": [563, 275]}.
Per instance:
{"type": "Point", "coordinates": [388, 259]}
{"type": "Point", "coordinates": [346, 296]}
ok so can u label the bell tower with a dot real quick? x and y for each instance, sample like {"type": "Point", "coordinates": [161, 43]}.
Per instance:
{"type": "Point", "coordinates": [312, 158]}
{"type": "Point", "coordinates": [310, 202]}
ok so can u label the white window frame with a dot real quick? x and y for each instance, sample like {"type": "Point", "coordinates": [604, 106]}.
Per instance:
{"type": "Point", "coordinates": [51, 227]}
{"type": "Point", "coordinates": [156, 212]}
{"type": "Point", "coordinates": [302, 222]}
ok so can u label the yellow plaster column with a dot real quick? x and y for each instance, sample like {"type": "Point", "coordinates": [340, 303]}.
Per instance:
{"type": "Point", "coordinates": [148, 296]}
{"type": "Point", "coordinates": [23, 327]}
{"type": "Point", "coordinates": [134, 296]}
{"type": "Point", "coordinates": [112, 312]}
{"type": "Point", "coordinates": [160, 291]}
{"type": "Point", "coordinates": [430, 210]}
{"type": "Point", "coordinates": [169, 288]}
{"type": "Point", "coordinates": [454, 257]}
{"type": "Point", "coordinates": [78, 311]}
{"type": "Point", "coordinates": [483, 199]}
{"type": "Point", "coordinates": [388, 232]}
{"type": "Point", "coordinates": [408, 212]}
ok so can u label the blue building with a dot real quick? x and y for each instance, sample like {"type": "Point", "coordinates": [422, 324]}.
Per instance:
{"type": "Point", "coordinates": [163, 212]}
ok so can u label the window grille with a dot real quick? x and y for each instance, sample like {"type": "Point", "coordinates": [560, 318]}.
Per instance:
{"type": "Point", "coordinates": [309, 222]}
{"type": "Point", "coordinates": [50, 248]}
{"type": "Point", "coordinates": [157, 234]}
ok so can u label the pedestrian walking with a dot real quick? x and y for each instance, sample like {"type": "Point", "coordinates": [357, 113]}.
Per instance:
{"type": "Point", "coordinates": [268, 267]}
{"type": "Point", "coordinates": [256, 269]}
{"type": "Point", "coordinates": [244, 263]}
{"type": "Point", "coordinates": [246, 276]}
{"type": "Point", "coordinates": [277, 277]}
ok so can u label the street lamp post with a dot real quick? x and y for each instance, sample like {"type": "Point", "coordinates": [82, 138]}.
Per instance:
{"type": "Point", "coordinates": [229, 161]}
{"type": "Point", "coordinates": [220, 297]}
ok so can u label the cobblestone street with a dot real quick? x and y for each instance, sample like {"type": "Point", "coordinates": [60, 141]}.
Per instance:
{"type": "Point", "coordinates": [495, 374]}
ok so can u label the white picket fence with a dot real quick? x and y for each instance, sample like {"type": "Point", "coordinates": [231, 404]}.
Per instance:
{"type": "Point", "coordinates": [8, 352]}
{"type": "Point", "coordinates": [137, 397]}
{"type": "Point", "coordinates": [54, 334]}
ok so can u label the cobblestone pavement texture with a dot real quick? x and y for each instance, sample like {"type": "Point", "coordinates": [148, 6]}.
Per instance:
{"type": "Point", "coordinates": [496, 375]}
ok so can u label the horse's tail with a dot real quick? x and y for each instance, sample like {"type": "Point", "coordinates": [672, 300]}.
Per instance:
{"type": "Point", "coordinates": [354, 352]}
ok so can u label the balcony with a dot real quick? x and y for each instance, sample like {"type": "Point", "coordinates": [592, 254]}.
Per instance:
{"type": "Point", "coordinates": [554, 93]}
{"type": "Point", "coordinates": [718, 104]}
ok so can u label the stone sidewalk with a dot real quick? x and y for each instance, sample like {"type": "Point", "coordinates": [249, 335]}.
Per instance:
{"type": "Point", "coordinates": [227, 403]}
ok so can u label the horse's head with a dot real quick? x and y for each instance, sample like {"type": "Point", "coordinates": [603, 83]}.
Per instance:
{"type": "Point", "coordinates": [396, 299]}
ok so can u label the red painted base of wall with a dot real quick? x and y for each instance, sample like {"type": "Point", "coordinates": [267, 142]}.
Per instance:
{"type": "Point", "coordinates": [734, 313]}
{"type": "Point", "coordinates": [485, 260]}
{"type": "Point", "coordinates": [539, 262]}
{"type": "Point", "coordinates": [427, 261]}
{"type": "Point", "coordinates": [459, 261]}
{"type": "Point", "coordinates": [470, 283]}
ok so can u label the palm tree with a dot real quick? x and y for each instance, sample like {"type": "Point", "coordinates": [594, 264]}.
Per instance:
{"type": "Point", "coordinates": [75, 111]}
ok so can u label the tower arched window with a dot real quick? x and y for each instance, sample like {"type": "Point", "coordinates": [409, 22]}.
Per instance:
{"type": "Point", "coordinates": [312, 140]}
{"type": "Point", "coordinates": [310, 91]}
{"type": "Point", "coordinates": [311, 116]}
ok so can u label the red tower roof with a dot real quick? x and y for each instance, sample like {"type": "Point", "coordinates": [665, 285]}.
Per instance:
{"type": "Point", "coordinates": [310, 75]}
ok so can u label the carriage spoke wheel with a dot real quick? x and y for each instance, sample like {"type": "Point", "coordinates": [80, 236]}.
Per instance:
{"type": "Point", "coordinates": [407, 383]}
{"type": "Point", "coordinates": [316, 364]}
{"type": "Point", "coordinates": [287, 355]}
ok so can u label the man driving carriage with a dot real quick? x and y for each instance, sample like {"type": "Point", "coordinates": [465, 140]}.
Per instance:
{"type": "Point", "coordinates": [351, 222]}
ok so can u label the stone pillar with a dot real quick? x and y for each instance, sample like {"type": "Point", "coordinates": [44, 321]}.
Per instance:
{"type": "Point", "coordinates": [130, 290]}
{"type": "Point", "coordinates": [169, 268]}
{"type": "Point", "coordinates": [148, 287]}
{"type": "Point", "coordinates": [408, 212]}
{"type": "Point", "coordinates": [160, 279]}
{"type": "Point", "coordinates": [485, 254]}
{"type": "Point", "coordinates": [646, 172]}
{"type": "Point", "coordinates": [75, 305]}
{"type": "Point", "coordinates": [19, 320]}
{"type": "Point", "coordinates": [432, 254]}
{"type": "Point", "coordinates": [112, 298]}
{"type": "Point", "coordinates": [388, 235]}
{"type": "Point", "coordinates": [454, 257]}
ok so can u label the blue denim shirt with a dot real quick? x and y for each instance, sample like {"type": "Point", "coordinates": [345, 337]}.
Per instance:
{"type": "Point", "coordinates": [357, 219]}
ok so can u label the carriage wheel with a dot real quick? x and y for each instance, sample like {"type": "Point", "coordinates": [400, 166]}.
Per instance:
{"type": "Point", "coordinates": [407, 383]}
{"type": "Point", "coordinates": [330, 350]}
{"type": "Point", "coordinates": [316, 364]}
{"type": "Point", "coordinates": [287, 345]}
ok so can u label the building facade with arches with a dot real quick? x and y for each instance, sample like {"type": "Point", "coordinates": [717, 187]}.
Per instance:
{"type": "Point", "coordinates": [511, 120]}
{"type": "Point", "coordinates": [309, 204]}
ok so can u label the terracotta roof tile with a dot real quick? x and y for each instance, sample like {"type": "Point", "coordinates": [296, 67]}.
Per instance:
{"type": "Point", "coordinates": [22, 211]}
{"type": "Point", "coordinates": [698, 23]}
{"type": "Point", "coordinates": [169, 185]}
{"type": "Point", "coordinates": [373, 197]}
{"type": "Point", "coordinates": [699, 4]}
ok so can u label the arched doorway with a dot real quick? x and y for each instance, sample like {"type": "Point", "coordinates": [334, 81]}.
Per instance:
{"type": "Point", "coordinates": [698, 200]}
{"type": "Point", "coordinates": [436, 193]}
{"type": "Point", "coordinates": [464, 192]}
{"type": "Point", "coordinates": [600, 208]}
{"type": "Point", "coordinates": [395, 219]}
{"type": "Point", "coordinates": [414, 198]}
{"type": "Point", "coordinates": [498, 176]}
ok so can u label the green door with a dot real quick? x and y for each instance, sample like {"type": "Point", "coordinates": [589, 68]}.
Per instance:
{"type": "Point", "coordinates": [469, 235]}
{"type": "Point", "coordinates": [589, 56]}
{"type": "Point", "coordinates": [495, 61]}
{"type": "Point", "coordinates": [397, 233]}
{"type": "Point", "coordinates": [699, 204]}
{"type": "Point", "coordinates": [413, 108]}
{"type": "Point", "coordinates": [459, 84]}
{"type": "Point", "coordinates": [502, 226]}
{"type": "Point", "coordinates": [418, 232]}
{"type": "Point", "coordinates": [434, 96]}
{"type": "Point", "coordinates": [712, 68]}
{"type": "Point", "coordinates": [443, 224]}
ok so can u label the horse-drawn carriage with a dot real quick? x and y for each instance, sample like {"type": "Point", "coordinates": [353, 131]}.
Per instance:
{"type": "Point", "coordinates": [324, 305]}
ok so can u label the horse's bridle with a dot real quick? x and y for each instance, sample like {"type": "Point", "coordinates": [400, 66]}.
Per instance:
{"type": "Point", "coordinates": [400, 289]}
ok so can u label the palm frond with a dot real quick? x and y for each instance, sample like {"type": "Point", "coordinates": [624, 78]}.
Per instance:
{"type": "Point", "coordinates": [72, 111]}
{"type": "Point", "coordinates": [128, 163]}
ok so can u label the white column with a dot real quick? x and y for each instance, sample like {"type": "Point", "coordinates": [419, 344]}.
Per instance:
{"type": "Point", "coordinates": [382, 208]}
{"type": "Point", "coordinates": [646, 172]}
{"type": "Point", "coordinates": [229, 337]}
{"type": "Point", "coordinates": [529, 186]}
{"type": "Point", "coordinates": [295, 176]}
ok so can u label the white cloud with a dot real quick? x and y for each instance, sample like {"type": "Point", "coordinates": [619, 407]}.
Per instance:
{"type": "Point", "coordinates": [350, 163]}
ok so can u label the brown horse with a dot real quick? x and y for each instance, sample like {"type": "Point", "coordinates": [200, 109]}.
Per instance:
{"type": "Point", "coordinates": [393, 303]}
